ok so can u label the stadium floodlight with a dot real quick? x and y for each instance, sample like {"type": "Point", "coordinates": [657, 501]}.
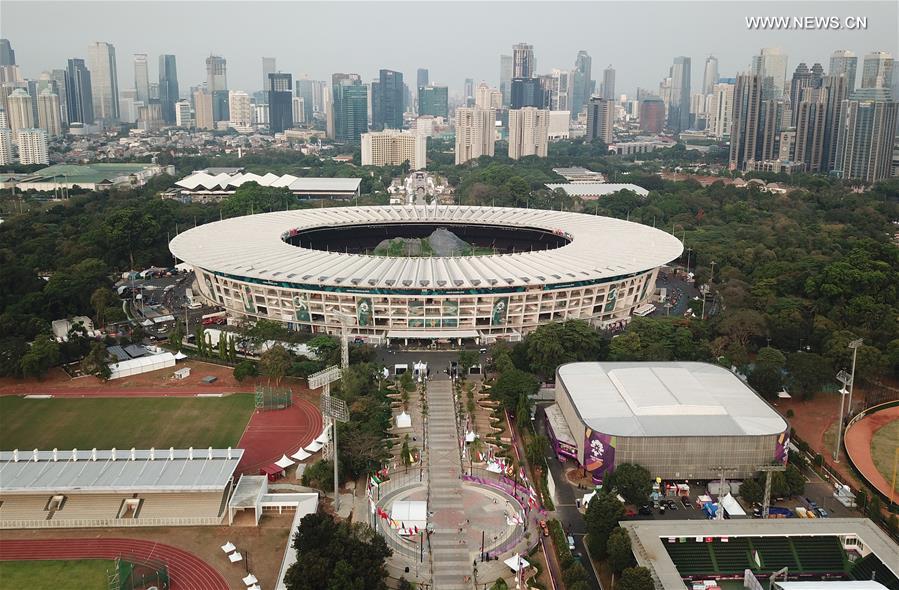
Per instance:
{"type": "Point", "coordinates": [846, 379]}
{"type": "Point", "coordinates": [335, 409]}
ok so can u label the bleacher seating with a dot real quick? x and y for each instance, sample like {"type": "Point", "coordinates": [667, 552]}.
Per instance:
{"type": "Point", "coordinates": [776, 553]}
{"type": "Point", "coordinates": [180, 505]}
{"type": "Point", "coordinates": [871, 568]}
{"type": "Point", "coordinates": [733, 556]}
{"type": "Point", "coordinates": [691, 558]}
{"type": "Point", "coordinates": [820, 554]}
{"type": "Point", "coordinates": [23, 507]}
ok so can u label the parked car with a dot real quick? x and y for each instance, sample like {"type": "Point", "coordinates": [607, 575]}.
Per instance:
{"type": "Point", "coordinates": [822, 513]}
{"type": "Point", "coordinates": [645, 510]}
{"type": "Point", "coordinates": [570, 543]}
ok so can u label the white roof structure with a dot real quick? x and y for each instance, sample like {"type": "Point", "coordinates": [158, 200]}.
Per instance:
{"type": "Point", "coordinates": [731, 506]}
{"type": "Point", "coordinates": [117, 470]}
{"type": "Point", "coordinates": [667, 399]}
{"type": "Point", "coordinates": [832, 585]}
{"type": "Point", "coordinates": [226, 181]}
{"type": "Point", "coordinates": [252, 246]}
{"type": "Point", "coordinates": [410, 512]}
{"type": "Point", "coordinates": [595, 189]}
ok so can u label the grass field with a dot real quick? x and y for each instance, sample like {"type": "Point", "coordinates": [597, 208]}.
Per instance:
{"type": "Point", "coordinates": [88, 574]}
{"type": "Point", "coordinates": [123, 423]}
{"type": "Point", "coordinates": [883, 448]}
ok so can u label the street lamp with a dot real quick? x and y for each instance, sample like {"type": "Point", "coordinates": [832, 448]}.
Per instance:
{"type": "Point", "coordinates": [844, 378]}
{"type": "Point", "coordinates": [854, 346]}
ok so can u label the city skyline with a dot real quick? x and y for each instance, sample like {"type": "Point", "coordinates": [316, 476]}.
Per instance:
{"type": "Point", "coordinates": [639, 62]}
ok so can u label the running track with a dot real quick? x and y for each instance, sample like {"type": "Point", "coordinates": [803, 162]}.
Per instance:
{"type": "Point", "coordinates": [186, 571]}
{"type": "Point", "coordinates": [858, 446]}
{"type": "Point", "coordinates": [279, 432]}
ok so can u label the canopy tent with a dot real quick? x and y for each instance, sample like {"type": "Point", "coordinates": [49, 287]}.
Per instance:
{"type": "Point", "coordinates": [325, 436]}
{"type": "Point", "coordinates": [284, 462]}
{"type": "Point", "coordinates": [517, 562]}
{"type": "Point", "coordinates": [409, 514]}
{"type": "Point", "coordinates": [180, 356]}
{"type": "Point", "coordinates": [272, 471]}
{"type": "Point", "coordinates": [314, 446]}
{"type": "Point", "coordinates": [587, 497]}
{"type": "Point", "coordinates": [470, 436]}
{"type": "Point", "coordinates": [404, 420]}
{"type": "Point", "coordinates": [732, 507]}
{"type": "Point", "coordinates": [301, 455]}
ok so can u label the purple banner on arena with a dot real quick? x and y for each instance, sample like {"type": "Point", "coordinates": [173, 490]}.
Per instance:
{"type": "Point", "coordinates": [781, 449]}
{"type": "Point", "coordinates": [599, 453]}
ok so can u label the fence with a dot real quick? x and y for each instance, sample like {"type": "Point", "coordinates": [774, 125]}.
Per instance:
{"type": "Point", "coordinates": [110, 522]}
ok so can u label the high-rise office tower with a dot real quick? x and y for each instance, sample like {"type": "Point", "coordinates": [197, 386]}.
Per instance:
{"type": "Point", "coordinates": [843, 61]}
{"type": "Point", "coordinates": [80, 93]}
{"type": "Point", "coordinates": [865, 148]}
{"type": "Point", "coordinates": [269, 66]}
{"type": "Point", "coordinates": [141, 77]}
{"type": "Point", "coordinates": [560, 87]}
{"type": "Point", "coordinates": [528, 132]}
{"type": "Point", "coordinates": [5, 145]}
{"type": "Point", "coordinates": [149, 116]}
{"type": "Point", "coordinates": [306, 89]}
{"type": "Point", "coordinates": [32, 146]}
{"type": "Point", "coordinates": [527, 92]}
{"type": "Point", "coordinates": [505, 78]}
{"type": "Point", "coordinates": [104, 81]}
{"type": "Point", "coordinates": [744, 135]}
{"type": "Point", "coordinates": [7, 54]}
{"type": "Point", "coordinates": [582, 84]}
{"type": "Point", "coordinates": [679, 103]}
{"type": "Point", "coordinates": [652, 114]}
{"type": "Point", "coordinates": [710, 75]}
{"type": "Point", "coordinates": [877, 70]}
{"type": "Point", "coordinates": [48, 112]}
{"type": "Point", "coordinates": [183, 117]}
{"type": "Point", "coordinates": [280, 105]}
{"type": "Point", "coordinates": [217, 86]}
{"type": "Point", "coordinates": [608, 83]}
{"type": "Point", "coordinates": [475, 133]}
{"type": "Point", "coordinates": [21, 112]}
{"type": "Point", "coordinates": [240, 110]}
{"type": "Point", "coordinates": [523, 65]}
{"type": "Point", "coordinates": [349, 105]}
{"type": "Point", "coordinates": [434, 101]}
{"type": "Point", "coordinates": [62, 89]}
{"type": "Point", "coordinates": [298, 109]}
{"type": "Point", "coordinates": [422, 78]}
{"type": "Point", "coordinates": [203, 118]}
{"type": "Point", "coordinates": [128, 105]}
{"type": "Point", "coordinates": [771, 63]}
{"type": "Point", "coordinates": [389, 100]}
{"type": "Point", "coordinates": [600, 119]}
{"type": "Point", "coordinates": [168, 87]}
{"type": "Point", "coordinates": [721, 106]}
{"type": "Point", "coordinates": [487, 97]}
{"type": "Point", "coordinates": [468, 91]}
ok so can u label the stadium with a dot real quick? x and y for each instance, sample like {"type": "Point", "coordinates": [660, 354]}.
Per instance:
{"type": "Point", "coordinates": [680, 420]}
{"type": "Point", "coordinates": [462, 273]}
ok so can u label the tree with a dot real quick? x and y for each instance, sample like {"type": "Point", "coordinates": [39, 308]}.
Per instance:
{"type": "Point", "coordinates": [244, 369]}
{"type": "Point", "coordinates": [795, 481]}
{"type": "Point", "coordinates": [329, 552]}
{"type": "Point", "coordinates": [467, 359]}
{"type": "Point", "coordinates": [807, 373]}
{"type": "Point", "coordinates": [275, 362]}
{"type": "Point", "coordinates": [873, 509]}
{"type": "Point", "coordinates": [632, 481]}
{"type": "Point", "coordinates": [319, 475]}
{"type": "Point", "coordinates": [176, 338]}
{"type": "Point", "coordinates": [101, 299]}
{"type": "Point", "coordinates": [96, 362]}
{"type": "Point", "coordinates": [603, 514]}
{"type": "Point", "coordinates": [511, 385]}
{"type": "Point", "coordinates": [44, 353]}
{"type": "Point", "coordinates": [766, 379]}
{"type": "Point", "coordinates": [635, 578]}
{"type": "Point", "coordinates": [12, 349]}
{"type": "Point", "coordinates": [536, 449]}
{"type": "Point", "coordinates": [618, 549]}
{"type": "Point", "coordinates": [751, 490]}
{"type": "Point", "coordinates": [499, 584]}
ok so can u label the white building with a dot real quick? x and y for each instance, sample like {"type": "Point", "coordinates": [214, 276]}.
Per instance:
{"type": "Point", "coordinates": [559, 124]}
{"type": "Point", "coordinates": [721, 108]}
{"type": "Point", "coordinates": [48, 112]}
{"type": "Point", "coordinates": [261, 113]}
{"type": "Point", "coordinates": [877, 70]}
{"type": "Point", "coordinates": [21, 115]}
{"type": "Point", "coordinates": [5, 146]}
{"type": "Point", "coordinates": [561, 89]}
{"type": "Point", "coordinates": [475, 133]}
{"type": "Point", "coordinates": [104, 80]}
{"type": "Point", "coordinates": [32, 146]}
{"type": "Point", "coordinates": [183, 116]}
{"type": "Point", "coordinates": [241, 111]}
{"type": "Point", "coordinates": [528, 132]}
{"type": "Point", "coordinates": [487, 97]}
{"type": "Point", "coordinates": [392, 147]}
{"type": "Point", "coordinates": [298, 105]}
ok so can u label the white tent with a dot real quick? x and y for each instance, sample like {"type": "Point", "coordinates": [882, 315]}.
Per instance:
{"type": "Point", "coordinates": [732, 507]}
{"type": "Point", "coordinates": [180, 356]}
{"type": "Point", "coordinates": [284, 462]}
{"type": "Point", "coordinates": [517, 562]}
{"type": "Point", "coordinates": [314, 447]}
{"type": "Point", "coordinates": [410, 513]}
{"type": "Point", "coordinates": [404, 420]}
{"type": "Point", "coordinates": [140, 365]}
{"type": "Point", "coordinates": [587, 497]}
{"type": "Point", "coordinates": [325, 436]}
{"type": "Point", "coordinates": [470, 436]}
{"type": "Point", "coordinates": [301, 455]}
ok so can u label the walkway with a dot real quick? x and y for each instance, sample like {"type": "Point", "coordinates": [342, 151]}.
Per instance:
{"type": "Point", "coordinates": [450, 552]}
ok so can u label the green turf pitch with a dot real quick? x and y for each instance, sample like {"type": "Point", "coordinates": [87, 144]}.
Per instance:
{"type": "Point", "coordinates": [88, 574]}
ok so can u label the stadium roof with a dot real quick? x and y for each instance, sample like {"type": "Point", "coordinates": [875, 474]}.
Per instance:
{"type": "Point", "coordinates": [117, 471]}
{"type": "Point", "coordinates": [252, 246]}
{"type": "Point", "coordinates": [89, 173]}
{"type": "Point", "coordinates": [667, 399]}
{"type": "Point", "coordinates": [595, 189]}
{"type": "Point", "coordinates": [231, 180]}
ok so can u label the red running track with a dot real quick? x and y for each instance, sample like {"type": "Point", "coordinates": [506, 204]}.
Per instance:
{"type": "Point", "coordinates": [858, 446]}
{"type": "Point", "coordinates": [278, 432]}
{"type": "Point", "coordinates": [186, 571]}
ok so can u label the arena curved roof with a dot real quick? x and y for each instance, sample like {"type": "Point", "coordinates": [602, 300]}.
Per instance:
{"type": "Point", "coordinates": [252, 246]}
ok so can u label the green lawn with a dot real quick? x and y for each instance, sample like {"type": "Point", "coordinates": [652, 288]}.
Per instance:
{"type": "Point", "coordinates": [123, 423]}
{"type": "Point", "coordinates": [89, 574]}
{"type": "Point", "coordinates": [883, 450]}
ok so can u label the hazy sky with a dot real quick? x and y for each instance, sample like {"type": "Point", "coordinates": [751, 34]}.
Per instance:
{"type": "Point", "coordinates": [455, 40]}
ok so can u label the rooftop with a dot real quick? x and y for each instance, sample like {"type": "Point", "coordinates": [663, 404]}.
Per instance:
{"type": "Point", "coordinates": [592, 189]}
{"type": "Point", "coordinates": [227, 178]}
{"type": "Point", "coordinates": [667, 399]}
{"type": "Point", "coordinates": [89, 173]}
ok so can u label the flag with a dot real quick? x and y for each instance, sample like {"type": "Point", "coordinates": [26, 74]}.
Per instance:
{"type": "Point", "coordinates": [756, 558]}
{"type": "Point", "coordinates": [373, 480]}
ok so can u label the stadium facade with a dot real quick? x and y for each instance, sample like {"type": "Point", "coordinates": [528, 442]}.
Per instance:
{"type": "Point", "coordinates": [680, 420]}
{"type": "Point", "coordinates": [524, 267]}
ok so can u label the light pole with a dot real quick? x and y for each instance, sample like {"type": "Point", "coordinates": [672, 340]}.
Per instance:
{"type": "Point", "coordinates": [844, 378]}
{"type": "Point", "coordinates": [854, 345]}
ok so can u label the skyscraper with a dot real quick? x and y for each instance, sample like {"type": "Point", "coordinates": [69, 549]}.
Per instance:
{"type": "Point", "coordinates": [744, 133]}
{"type": "Point", "coordinates": [652, 114]}
{"type": "Point", "coordinates": [217, 86]}
{"type": "Point", "coordinates": [487, 97]}
{"type": "Point", "coordinates": [21, 113]}
{"type": "Point", "coordinates": [62, 89]}
{"type": "Point", "coordinates": [168, 87]}
{"type": "Point", "coordinates": [268, 67]}
{"type": "Point", "coordinates": [523, 65]}
{"type": "Point", "coordinates": [608, 83]}
{"type": "Point", "coordinates": [475, 133]}
{"type": "Point", "coordinates": [32, 146]}
{"type": "Point", "coordinates": [771, 63]}
{"type": "Point", "coordinates": [183, 117]}
{"type": "Point", "coordinates": [349, 106]}
{"type": "Point", "coordinates": [866, 142]}
{"type": "Point", "coordinates": [203, 118]}
{"type": "Point", "coordinates": [280, 105]}
{"type": "Point", "coordinates": [389, 101]}
{"type": "Point", "coordinates": [582, 84]}
{"type": "Point", "coordinates": [600, 119]}
{"type": "Point", "coordinates": [560, 88]}
{"type": "Point", "coordinates": [5, 144]}
{"type": "Point", "coordinates": [433, 100]}
{"type": "Point", "coordinates": [809, 118]}
{"type": "Point", "coordinates": [505, 78]}
{"type": "Point", "coordinates": [710, 75]}
{"type": "Point", "coordinates": [422, 78]}
{"type": "Point", "coordinates": [721, 106]}
{"type": "Point", "coordinates": [305, 89]}
{"type": "Point", "coordinates": [240, 110]}
{"type": "Point", "coordinates": [79, 93]}
{"type": "Point", "coordinates": [104, 80]}
{"type": "Point", "coordinates": [877, 70]}
{"type": "Point", "coordinates": [48, 112]}
{"type": "Point", "coordinates": [141, 77]}
{"type": "Point", "coordinates": [528, 132]}
{"type": "Point", "coordinates": [7, 54]}
{"type": "Point", "coordinates": [843, 61]}
{"type": "Point", "coordinates": [836, 88]}
{"type": "Point", "coordinates": [527, 92]}
{"type": "Point", "coordinates": [298, 109]}
{"type": "Point", "coordinates": [679, 103]}
{"type": "Point", "coordinates": [468, 91]}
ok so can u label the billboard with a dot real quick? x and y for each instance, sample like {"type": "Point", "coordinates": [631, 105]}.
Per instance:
{"type": "Point", "coordinates": [363, 311]}
{"type": "Point", "coordinates": [782, 447]}
{"type": "Point", "coordinates": [301, 305]}
{"type": "Point", "coordinates": [249, 304]}
{"type": "Point", "coordinates": [500, 308]}
{"type": "Point", "coordinates": [599, 453]}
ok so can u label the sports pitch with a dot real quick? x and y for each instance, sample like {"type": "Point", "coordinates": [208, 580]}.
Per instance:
{"type": "Point", "coordinates": [87, 574]}
{"type": "Point", "coordinates": [123, 423]}
{"type": "Point", "coordinates": [883, 449]}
